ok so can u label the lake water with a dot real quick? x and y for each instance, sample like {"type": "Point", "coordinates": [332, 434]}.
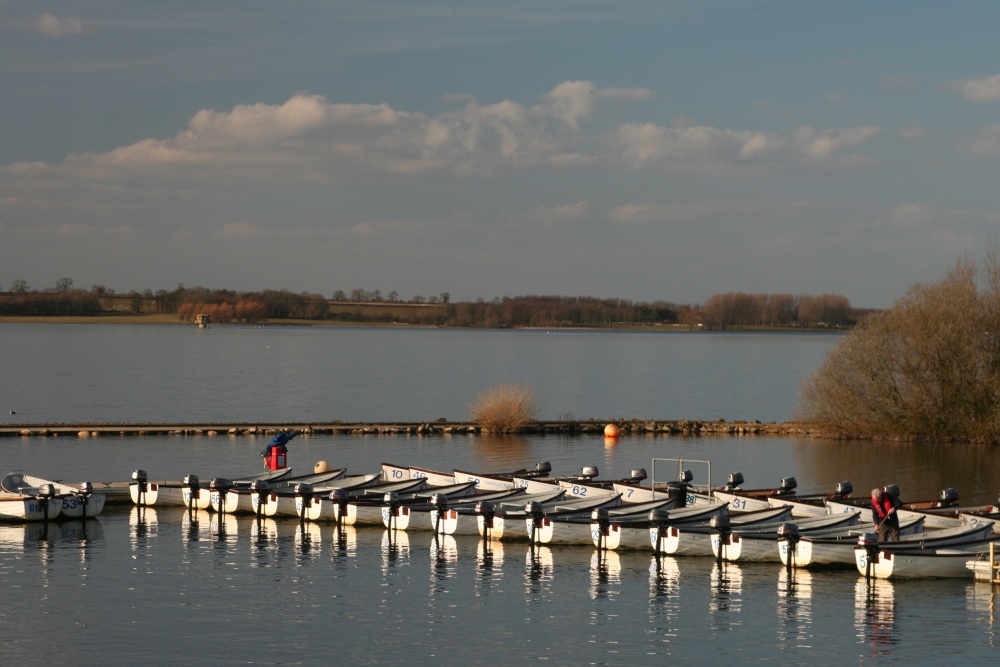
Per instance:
{"type": "Point", "coordinates": [164, 585]}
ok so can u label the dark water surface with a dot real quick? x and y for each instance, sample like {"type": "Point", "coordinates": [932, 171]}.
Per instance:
{"type": "Point", "coordinates": [165, 587]}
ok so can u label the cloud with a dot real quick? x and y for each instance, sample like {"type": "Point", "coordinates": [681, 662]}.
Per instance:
{"type": "Point", "coordinates": [53, 26]}
{"type": "Point", "coordinates": [985, 143]}
{"type": "Point", "coordinates": [686, 212]}
{"type": "Point", "coordinates": [309, 139]}
{"type": "Point", "coordinates": [708, 149]}
{"type": "Point", "coordinates": [986, 89]}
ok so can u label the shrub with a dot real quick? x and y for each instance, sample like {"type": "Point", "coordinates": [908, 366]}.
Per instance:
{"type": "Point", "coordinates": [505, 408]}
{"type": "Point", "coordinates": [927, 369]}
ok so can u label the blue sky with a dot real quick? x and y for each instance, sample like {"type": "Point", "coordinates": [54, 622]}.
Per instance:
{"type": "Point", "coordinates": [663, 150]}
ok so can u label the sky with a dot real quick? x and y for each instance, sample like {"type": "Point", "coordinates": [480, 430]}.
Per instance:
{"type": "Point", "coordinates": [647, 150]}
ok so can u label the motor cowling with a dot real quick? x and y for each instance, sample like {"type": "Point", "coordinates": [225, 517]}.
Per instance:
{"type": "Point", "coordinates": [543, 468]}
{"type": "Point", "coordinates": [790, 532]}
{"type": "Point", "coordinates": [601, 516]}
{"type": "Point", "coordinates": [191, 481]}
{"type": "Point", "coordinates": [868, 540]}
{"type": "Point", "coordinates": [788, 484]}
{"type": "Point", "coordinates": [535, 510]}
{"type": "Point", "coordinates": [721, 525]}
{"type": "Point", "coordinates": [46, 491]}
{"type": "Point", "coordinates": [303, 489]}
{"type": "Point", "coordinates": [638, 474]}
{"type": "Point", "coordinates": [948, 497]}
{"type": "Point", "coordinates": [685, 477]}
{"type": "Point", "coordinates": [659, 516]}
{"type": "Point", "coordinates": [734, 480]}
{"type": "Point", "coordinates": [843, 489]}
{"type": "Point", "coordinates": [391, 499]}
{"type": "Point", "coordinates": [139, 476]}
{"type": "Point", "coordinates": [220, 484]}
{"type": "Point", "coordinates": [85, 489]}
{"type": "Point", "coordinates": [589, 472]}
{"type": "Point", "coordinates": [440, 502]}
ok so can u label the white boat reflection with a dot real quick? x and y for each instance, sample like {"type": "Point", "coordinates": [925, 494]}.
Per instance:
{"type": "Point", "coordinates": [875, 615]}
{"type": "Point", "coordinates": [395, 546]}
{"type": "Point", "coordinates": [605, 573]}
{"type": "Point", "coordinates": [795, 618]}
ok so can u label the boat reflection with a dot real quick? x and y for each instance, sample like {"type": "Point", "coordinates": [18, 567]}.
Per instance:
{"type": "Point", "coordinates": [794, 608]}
{"type": "Point", "coordinates": [395, 547]}
{"type": "Point", "coordinates": [538, 573]}
{"type": "Point", "coordinates": [875, 615]}
{"type": "Point", "coordinates": [726, 600]}
{"type": "Point", "coordinates": [143, 524]}
{"type": "Point", "coordinates": [308, 542]}
{"type": "Point", "coordinates": [443, 561]}
{"type": "Point", "coordinates": [605, 574]}
{"type": "Point", "coordinates": [344, 544]}
{"type": "Point", "coordinates": [489, 565]}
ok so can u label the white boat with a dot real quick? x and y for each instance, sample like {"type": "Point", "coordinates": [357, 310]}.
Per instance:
{"type": "Point", "coordinates": [187, 493]}
{"type": "Point", "coordinates": [229, 498]}
{"type": "Point", "coordinates": [618, 534]}
{"type": "Point", "coordinates": [282, 502]}
{"type": "Point", "coordinates": [760, 544]}
{"type": "Point", "coordinates": [80, 501]}
{"type": "Point", "coordinates": [395, 473]}
{"type": "Point", "coordinates": [578, 529]}
{"type": "Point", "coordinates": [519, 524]}
{"type": "Point", "coordinates": [933, 521]}
{"type": "Point", "coordinates": [694, 539]}
{"type": "Point", "coordinates": [312, 506]}
{"type": "Point", "coordinates": [506, 480]}
{"type": "Point", "coordinates": [813, 550]}
{"type": "Point", "coordinates": [393, 508]}
{"type": "Point", "coordinates": [465, 519]}
{"type": "Point", "coordinates": [21, 507]}
{"type": "Point", "coordinates": [956, 561]}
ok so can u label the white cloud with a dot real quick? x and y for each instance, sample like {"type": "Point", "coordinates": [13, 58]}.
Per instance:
{"type": "Point", "coordinates": [986, 89]}
{"type": "Point", "coordinates": [708, 149]}
{"type": "Point", "coordinates": [53, 26]}
{"type": "Point", "coordinates": [310, 139]}
{"type": "Point", "coordinates": [985, 143]}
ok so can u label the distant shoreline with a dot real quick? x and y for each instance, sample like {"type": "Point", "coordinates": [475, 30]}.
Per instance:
{"type": "Point", "coordinates": [628, 428]}
{"type": "Point", "coordinates": [172, 320]}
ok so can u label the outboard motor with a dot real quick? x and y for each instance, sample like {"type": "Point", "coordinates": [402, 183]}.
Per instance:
{"type": "Point", "coordinates": [487, 510]}
{"type": "Point", "coordinates": [304, 494]}
{"type": "Point", "coordinates": [391, 502]}
{"type": "Point", "coordinates": [892, 490]}
{"type": "Point", "coordinates": [142, 485]}
{"type": "Point", "coordinates": [192, 484]}
{"type": "Point", "coordinates": [440, 503]}
{"type": "Point", "coordinates": [721, 526]}
{"type": "Point", "coordinates": [660, 518]}
{"type": "Point", "coordinates": [602, 518]}
{"type": "Point", "coordinates": [787, 485]}
{"type": "Point", "coordinates": [534, 510]}
{"type": "Point", "coordinates": [340, 498]}
{"type": "Point", "coordinates": [588, 472]}
{"type": "Point", "coordinates": [220, 486]}
{"type": "Point", "coordinates": [542, 469]}
{"type": "Point", "coordinates": [870, 542]}
{"type": "Point", "coordinates": [46, 492]}
{"type": "Point", "coordinates": [843, 490]}
{"type": "Point", "coordinates": [83, 494]}
{"type": "Point", "coordinates": [637, 475]}
{"type": "Point", "coordinates": [261, 488]}
{"type": "Point", "coordinates": [790, 532]}
{"type": "Point", "coordinates": [734, 481]}
{"type": "Point", "coordinates": [948, 497]}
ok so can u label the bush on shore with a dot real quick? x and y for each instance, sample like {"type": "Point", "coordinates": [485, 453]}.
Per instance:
{"type": "Point", "coordinates": [505, 408]}
{"type": "Point", "coordinates": [927, 369]}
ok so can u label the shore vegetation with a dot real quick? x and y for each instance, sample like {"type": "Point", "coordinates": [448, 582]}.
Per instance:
{"type": "Point", "coordinates": [926, 369]}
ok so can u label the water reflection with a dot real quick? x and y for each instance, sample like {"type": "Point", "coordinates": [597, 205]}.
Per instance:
{"type": "Point", "coordinates": [343, 545]}
{"type": "Point", "coordinates": [726, 601]}
{"type": "Point", "coordinates": [605, 574]}
{"type": "Point", "coordinates": [538, 573]}
{"type": "Point", "coordinates": [308, 543]}
{"type": "Point", "coordinates": [395, 548]}
{"type": "Point", "coordinates": [795, 618]}
{"type": "Point", "coordinates": [443, 559]}
{"type": "Point", "coordinates": [489, 566]}
{"type": "Point", "coordinates": [875, 615]}
{"type": "Point", "coordinates": [664, 598]}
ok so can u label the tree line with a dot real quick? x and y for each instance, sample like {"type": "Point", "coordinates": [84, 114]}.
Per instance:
{"type": "Point", "coordinates": [721, 312]}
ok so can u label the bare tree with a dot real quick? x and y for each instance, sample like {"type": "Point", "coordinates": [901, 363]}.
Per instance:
{"type": "Point", "coordinates": [928, 368]}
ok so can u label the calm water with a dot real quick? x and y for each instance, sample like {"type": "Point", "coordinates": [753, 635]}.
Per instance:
{"type": "Point", "coordinates": [72, 373]}
{"type": "Point", "coordinates": [164, 586]}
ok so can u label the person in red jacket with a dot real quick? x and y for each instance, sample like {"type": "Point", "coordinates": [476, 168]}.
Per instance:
{"type": "Point", "coordinates": [884, 512]}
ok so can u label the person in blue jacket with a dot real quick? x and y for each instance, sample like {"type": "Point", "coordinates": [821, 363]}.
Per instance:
{"type": "Point", "coordinates": [279, 441]}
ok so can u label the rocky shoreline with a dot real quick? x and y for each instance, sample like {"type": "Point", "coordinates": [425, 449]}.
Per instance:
{"type": "Point", "coordinates": [440, 427]}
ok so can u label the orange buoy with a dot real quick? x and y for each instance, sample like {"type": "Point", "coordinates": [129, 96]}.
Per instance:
{"type": "Point", "coordinates": [612, 431]}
